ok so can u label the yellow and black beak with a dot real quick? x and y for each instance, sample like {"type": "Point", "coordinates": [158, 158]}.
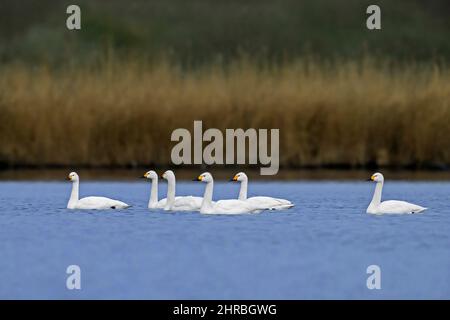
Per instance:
{"type": "Point", "coordinates": [235, 178]}
{"type": "Point", "coordinates": [372, 178]}
{"type": "Point", "coordinates": [68, 178]}
{"type": "Point", "coordinates": [199, 178]}
{"type": "Point", "coordinates": [143, 177]}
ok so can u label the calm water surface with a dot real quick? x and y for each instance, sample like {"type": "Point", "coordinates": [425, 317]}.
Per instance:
{"type": "Point", "coordinates": [319, 249]}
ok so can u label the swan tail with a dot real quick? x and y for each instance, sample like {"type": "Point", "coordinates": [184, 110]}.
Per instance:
{"type": "Point", "coordinates": [283, 207]}
{"type": "Point", "coordinates": [124, 206]}
{"type": "Point", "coordinates": [419, 210]}
{"type": "Point", "coordinates": [283, 204]}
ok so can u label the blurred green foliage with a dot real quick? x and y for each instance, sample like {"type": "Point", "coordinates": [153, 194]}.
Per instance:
{"type": "Point", "coordinates": [199, 31]}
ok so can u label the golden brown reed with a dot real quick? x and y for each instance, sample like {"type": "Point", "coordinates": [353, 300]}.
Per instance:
{"type": "Point", "coordinates": [122, 113]}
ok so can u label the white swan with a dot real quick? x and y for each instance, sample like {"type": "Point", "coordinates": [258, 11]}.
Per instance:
{"type": "Point", "coordinates": [182, 203]}
{"type": "Point", "coordinates": [153, 202]}
{"type": "Point", "coordinates": [90, 202]}
{"type": "Point", "coordinates": [231, 206]}
{"type": "Point", "coordinates": [391, 206]}
{"type": "Point", "coordinates": [260, 202]}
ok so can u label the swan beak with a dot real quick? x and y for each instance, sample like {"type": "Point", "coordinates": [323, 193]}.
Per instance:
{"type": "Point", "coordinates": [370, 179]}
{"type": "Point", "coordinates": [68, 179]}
{"type": "Point", "coordinates": [199, 178]}
{"type": "Point", "coordinates": [234, 178]}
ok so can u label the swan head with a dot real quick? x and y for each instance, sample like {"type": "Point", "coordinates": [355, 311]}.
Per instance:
{"type": "Point", "coordinates": [73, 176]}
{"type": "Point", "coordinates": [241, 176]}
{"type": "Point", "coordinates": [377, 177]}
{"type": "Point", "coordinates": [168, 175]}
{"type": "Point", "coordinates": [150, 175]}
{"type": "Point", "coordinates": [205, 177]}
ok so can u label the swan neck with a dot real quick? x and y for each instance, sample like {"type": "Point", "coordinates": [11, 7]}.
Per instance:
{"type": "Point", "coordinates": [376, 200]}
{"type": "Point", "coordinates": [243, 190]}
{"type": "Point", "coordinates": [207, 196]}
{"type": "Point", "coordinates": [153, 193]}
{"type": "Point", "coordinates": [74, 195]}
{"type": "Point", "coordinates": [170, 192]}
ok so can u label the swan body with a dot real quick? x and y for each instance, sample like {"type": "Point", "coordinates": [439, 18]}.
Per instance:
{"type": "Point", "coordinates": [231, 206]}
{"type": "Point", "coordinates": [270, 203]}
{"type": "Point", "coordinates": [377, 206]}
{"type": "Point", "coordinates": [180, 203]}
{"type": "Point", "coordinates": [260, 202]}
{"type": "Point", "coordinates": [98, 203]}
{"type": "Point", "coordinates": [90, 203]}
{"type": "Point", "coordinates": [185, 203]}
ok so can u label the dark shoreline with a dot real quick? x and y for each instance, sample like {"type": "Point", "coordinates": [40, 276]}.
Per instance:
{"type": "Point", "coordinates": [56, 173]}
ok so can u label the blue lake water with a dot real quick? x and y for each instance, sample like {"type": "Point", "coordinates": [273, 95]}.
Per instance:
{"type": "Point", "coordinates": [319, 249]}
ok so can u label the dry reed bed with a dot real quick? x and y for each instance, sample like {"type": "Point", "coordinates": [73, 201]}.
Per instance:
{"type": "Point", "coordinates": [122, 113]}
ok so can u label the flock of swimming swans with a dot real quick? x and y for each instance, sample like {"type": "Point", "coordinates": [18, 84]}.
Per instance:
{"type": "Point", "coordinates": [206, 205]}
